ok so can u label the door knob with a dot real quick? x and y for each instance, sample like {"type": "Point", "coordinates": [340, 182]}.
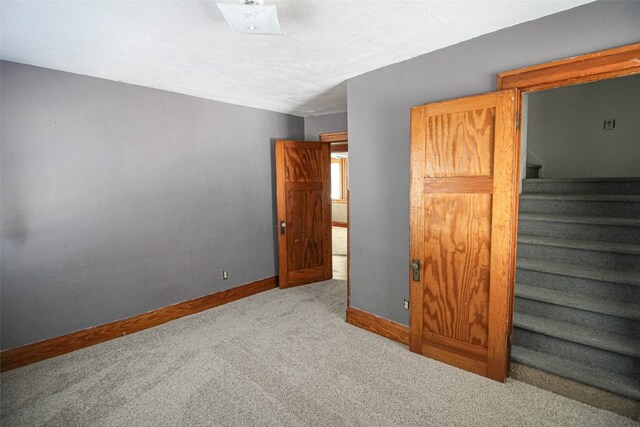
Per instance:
{"type": "Point", "coordinates": [283, 225]}
{"type": "Point", "coordinates": [415, 266]}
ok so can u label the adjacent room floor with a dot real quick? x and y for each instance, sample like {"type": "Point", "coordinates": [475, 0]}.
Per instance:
{"type": "Point", "coordinates": [282, 357]}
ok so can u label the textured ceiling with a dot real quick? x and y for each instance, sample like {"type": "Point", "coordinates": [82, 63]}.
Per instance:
{"type": "Point", "coordinates": [186, 46]}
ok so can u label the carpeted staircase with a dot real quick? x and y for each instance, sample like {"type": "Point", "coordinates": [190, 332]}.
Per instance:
{"type": "Point", "coordinates": [577, 306]}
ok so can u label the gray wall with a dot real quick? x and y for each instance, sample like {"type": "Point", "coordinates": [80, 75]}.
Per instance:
{"type": "Point", "coordinates": [566, 132]}
{"type": "Point", "coordinates": [327, 123]}
{"type": "Point", "coordinates": [118, 199]}
{"type": "Point", "coordinates": [378, 110]}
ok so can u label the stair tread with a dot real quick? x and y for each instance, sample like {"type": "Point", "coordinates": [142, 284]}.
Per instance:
{"type": "Point", "coordinates": [582, 197]}
{"type": "Point", "coordinates": [580, 302]}
{"type": "Point", "coordinates": [624, 248]}
{"type": "Point", "coordinates": [580, 334]}
{"type": "Point", "coordinates": [573, 270]}
{"type": "Point", "coordinates": [596, 220]}
{"type": "Point", "coordinates": [590, 375]}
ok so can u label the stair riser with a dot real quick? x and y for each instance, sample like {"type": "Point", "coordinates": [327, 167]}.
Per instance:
{"type": "Point", "coordinates": [622, 385]}
{"type": "Point", "coordinates": [618, 363]}
{"type": "Point", "coordinates": [582, 187]}
{"type": "Point", "coordinates": [590, 232]}
{"type": "Point", "coordinates": [593, 259]}
{"type": "Point", "coordinates": [598, 349]}
{"type": "Point", "coordinates": [595, 288]}
{"type": "Point", "coordinates": [602, 322]}
{"type": "Point", "coordinates": [580, 207]}
{"type": "Point", "coordinates": [579, 301]}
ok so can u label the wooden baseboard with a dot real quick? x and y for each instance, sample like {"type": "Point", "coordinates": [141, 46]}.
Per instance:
{"type": "Point", "coordinates": [31, 353]}
{"type": "Point", "coordinates": [339, 224]}
{"type": "Point", "coordinates": [378, 325]}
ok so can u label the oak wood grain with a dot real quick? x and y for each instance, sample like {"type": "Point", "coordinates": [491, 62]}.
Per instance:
{"type": "Point", "coordinates": [462, 185]}
{"type": "Point", "coordinates": [605, 64]}
{"type": "Point", "coordinates": [503, 236]}
{"type": "Point", "coordinates": [303, 186]}
{"type": "Point", "coordinates": [460, 143]}
{"type": "Point", "coordinates": [463, 197]}
{"type": "Point", "coordinates": [304, 205]}
{"type": "Point", "coordinates": [417, 173]}
{"type": "Point", "coordinates": [456, 266]}
{"type": "Point", "coordinates": [445, 355]}
{"type": "Point", "coordinates": [339, 148]}
{"type": "Point", "coordinates": [303, 162]}
{"type": "Point", "coordinates": [465, 349]}
{"type": "Point", "coordinates": [281, 208]}
{"type": "Point", "coordinates": [378, 325]}
{"type": "Point", "coordinates": [32, 353]}
{"type": "Point", "coordinates": [334, 137]}
{"type": "Point", "coordinates": [304, 230]}
{"type": "Point", "coordinates": [306, 276]}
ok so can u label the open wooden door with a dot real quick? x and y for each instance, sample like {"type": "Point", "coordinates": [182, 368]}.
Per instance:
{"type": "Point", "coordinates": [464, 166]}
{"type": "Point", "coordinates": [304, 212]}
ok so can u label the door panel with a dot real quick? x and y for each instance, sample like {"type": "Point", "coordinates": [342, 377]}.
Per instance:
{"type": "Point", "coordinates": [463, 201]}
{"type": "Point", "coordinates": [460, 144]}
{"type": "Point", "coordinates": [303, 163]}
{"type": "Point", "coordinates": [304, 236]}
{"type": "Point", "coordinates": [304, 206]}
{"type": "Point", "coordinates": [456, 263]}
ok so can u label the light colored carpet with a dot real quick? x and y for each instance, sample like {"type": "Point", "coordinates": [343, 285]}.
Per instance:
{"type": "Point", "coordinates": [339, 240]}
{"type": "Point", "coordinates": [283, 358]}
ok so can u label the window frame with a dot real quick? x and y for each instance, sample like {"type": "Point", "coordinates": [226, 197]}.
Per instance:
{"type": "Point", "coordinates": [344, 179]}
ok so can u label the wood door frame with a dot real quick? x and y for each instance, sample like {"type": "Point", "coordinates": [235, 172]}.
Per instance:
{"type": "Point", "coordinates": [591, 67]}
{"type": "Point", "coordinates": [333, 137]}
{"type": "Point", "coordinates": [602, 65]}
{"type": "Point", "coordinates": [340, 142]}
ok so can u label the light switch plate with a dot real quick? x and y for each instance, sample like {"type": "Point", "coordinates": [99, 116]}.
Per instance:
{"type": "Point", "coordinates": [609, 124]}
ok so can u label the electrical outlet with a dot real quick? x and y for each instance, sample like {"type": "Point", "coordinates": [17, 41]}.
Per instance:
{"type": "Point", "coordinates": [405, 304]}
{"type": "Point", "coordinates": [609, 124]}
{"type": "Point", "coordinates": [225, 274]}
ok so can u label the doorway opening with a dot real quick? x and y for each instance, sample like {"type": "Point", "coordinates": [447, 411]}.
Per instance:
{"type": "Point", "coordinates": [339, 205]}
{"type": "Point", "coordinates": [575, 316]}
{"type": "Point", "coordinates": [339, 148]}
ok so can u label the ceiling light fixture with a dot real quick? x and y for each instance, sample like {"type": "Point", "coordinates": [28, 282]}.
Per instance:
{"type": "Point", "coordinates": [251, 17]}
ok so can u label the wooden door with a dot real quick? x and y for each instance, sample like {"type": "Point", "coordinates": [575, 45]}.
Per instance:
{"type": "Point", "coordinates": [304, 212]}
{"type": "Point", "coordinates": [464, 165]}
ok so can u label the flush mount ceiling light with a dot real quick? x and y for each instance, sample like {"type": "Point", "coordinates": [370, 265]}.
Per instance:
{"type": "Point", "coordinates": [251, 17]}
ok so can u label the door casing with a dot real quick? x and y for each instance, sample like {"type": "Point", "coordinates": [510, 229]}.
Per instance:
{"type": "Point", "coordinates": [606, 64]}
